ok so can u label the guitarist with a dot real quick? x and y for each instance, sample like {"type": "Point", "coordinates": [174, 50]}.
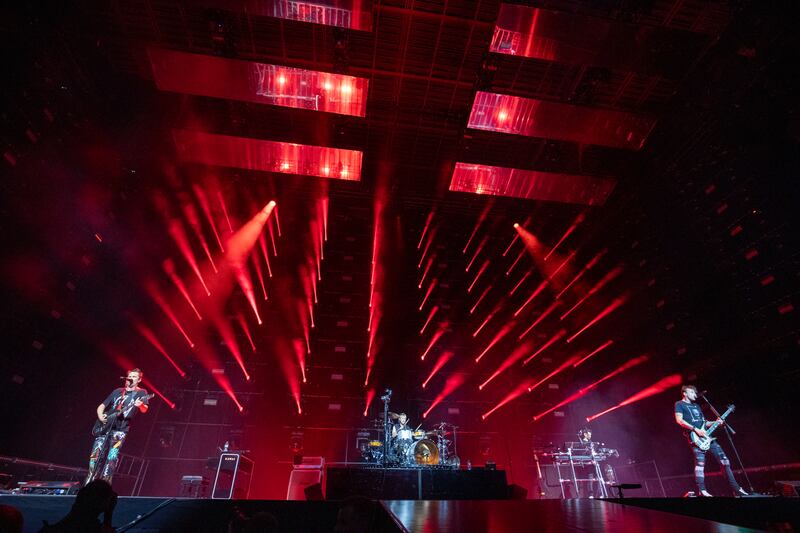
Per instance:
{"type": "Point", "coordinates": [689, 416]}
{"type": "Point", "coordinates": [122, 404]}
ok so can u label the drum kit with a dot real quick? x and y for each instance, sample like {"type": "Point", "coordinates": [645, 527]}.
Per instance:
{"type": "Point", "coordinates": [415, 447]}
{"type": "Point", "coordinates": [411, 447]}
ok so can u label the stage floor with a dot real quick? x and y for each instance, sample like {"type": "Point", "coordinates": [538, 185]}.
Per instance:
{"type": "Point", "coordinates": [433, 516]}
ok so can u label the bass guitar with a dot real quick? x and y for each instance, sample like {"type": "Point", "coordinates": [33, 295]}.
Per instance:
{"type": "Point", "coordinates": [704, 443]}
{"type": "Point", "coordinates": [101, 428]}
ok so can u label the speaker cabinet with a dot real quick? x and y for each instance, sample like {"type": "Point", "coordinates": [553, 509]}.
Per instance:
{"type": "Point", "coordinates": [232, 479]}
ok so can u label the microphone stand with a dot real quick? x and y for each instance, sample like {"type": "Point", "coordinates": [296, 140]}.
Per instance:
{"type": "Point", "coordinates": [729, 431]}
{"type": "Point", "coordinates": [386, 398]}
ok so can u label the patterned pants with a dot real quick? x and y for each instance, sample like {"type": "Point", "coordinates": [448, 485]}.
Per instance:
{"type": "Point", "coordinates": [700, 466]}
{"type": "Point", "coordinates": [104, 458]}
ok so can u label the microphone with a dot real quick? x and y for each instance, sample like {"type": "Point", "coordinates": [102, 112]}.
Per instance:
{"type": "Point", "coordinates": [703, 393]}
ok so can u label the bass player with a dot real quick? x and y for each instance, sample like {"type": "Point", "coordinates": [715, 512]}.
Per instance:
{"type": "Point", "coordinates": [689, 416]}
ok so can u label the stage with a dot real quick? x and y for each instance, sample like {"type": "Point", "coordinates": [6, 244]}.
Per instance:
{"type": "Point", "coordinates": [180, 515]}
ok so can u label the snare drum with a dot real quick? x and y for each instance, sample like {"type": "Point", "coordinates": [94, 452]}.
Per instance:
{"type": "Point", "coordinates": [404, 434]}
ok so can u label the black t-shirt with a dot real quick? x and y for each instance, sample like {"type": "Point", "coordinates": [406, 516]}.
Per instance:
{"type": "Point", "coordinates": [117, 400]}
{"type": "Point", "coordinates": [398, 427]}
{"type": "Point", "coordinates": [691, 414]}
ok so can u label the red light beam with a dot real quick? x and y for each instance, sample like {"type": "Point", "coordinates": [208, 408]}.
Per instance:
{"type": "Point", "coordinates": [541, 317]}
{"type": "Point", "coordinates": [533, 295]}
{"type": "Point", "coordinates": [443, 359]}
{"type": "Point", "coordinates": [580, 218]}
{"type": "Point", "coordinates": [148, 334]}
{"type": "Point", "coordinates": [452, 383]}
{"type": "Point", "coordinates": [425, 229]}
{"type": "Point", "coordinates": [620, 369]}
{"type": "Point", "coordinates": [162, 303]}
{"type": "Point", "coordinates": [169, 268]}
{"type": "Point", "coordinates": [553, 374]}
{"type": "Point", "coordinates": [604, 313]}
{"type": "Point", "coordinates": [613, 273]}
{"type": "Point", "coordinates": [518, 353]}
{"type": "Point", "coordinates": [555, 338]}
{"type": "Point", "coordinates": [202, 199]}
{"type": "Point", "coordinates": [178, 234]}
{"type": "Point", "coordinates": [497, 338]}
{"type": "Point", "coordinates": [659, 386]}
{"type": "Point", "coordinates": [596, 351]}
{"type": "Point", "coordinates": [478, 275]}
{"type": "Point", "coordinates": [430, 316]}
{"type": "Point", "coordinates": [514, 394]}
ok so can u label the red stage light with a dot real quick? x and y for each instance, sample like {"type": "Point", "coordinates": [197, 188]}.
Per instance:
{"type": "Point", "coordinates": [580, 218]}
{"type": "Point", "coordinates": [615, 272]}
{"type": "Point", "coordinates": [261, 83]}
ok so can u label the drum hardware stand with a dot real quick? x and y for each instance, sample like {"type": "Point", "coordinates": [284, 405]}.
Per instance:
{"type": "Point", "coordinates": [387, 396]}
{"type": "Point", "coordinates": [729, 431]}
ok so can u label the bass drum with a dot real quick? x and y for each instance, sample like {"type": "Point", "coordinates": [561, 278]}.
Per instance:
{"type": "Point", "coordinates": [423, 452]}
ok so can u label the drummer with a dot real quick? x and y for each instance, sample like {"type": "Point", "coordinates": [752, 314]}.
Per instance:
{"type": "Point", "coordinates": [401, 426]}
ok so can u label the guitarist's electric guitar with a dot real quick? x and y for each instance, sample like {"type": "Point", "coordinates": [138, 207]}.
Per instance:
{"type": "Point", "coordinates": [101, 428]}
{"type": "Point", "coordinates": [704, 443]}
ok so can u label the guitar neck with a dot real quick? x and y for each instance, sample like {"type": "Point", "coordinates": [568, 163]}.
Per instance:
{"type": "Point", "coordinates": [716, 424]}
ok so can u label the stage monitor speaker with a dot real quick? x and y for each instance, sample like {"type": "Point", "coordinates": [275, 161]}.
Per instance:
{"type": "Point", "coordinates": [306, 473]}
{"type": "Point", "coordinates": [232, 479]}
{"type": "Point", "coordinates": [194, 487]}
{"type": "Point", "coordinates": [789, 489]}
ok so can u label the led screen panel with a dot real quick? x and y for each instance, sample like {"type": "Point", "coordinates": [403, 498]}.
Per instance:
{"type": "Point", "coordinates": [271, 156]}
{"type": "Point", "coordinates": [531, 184]}
{"type": "Point", "coordinates": [552, 120]}
{"type": "Point", "coordinates": [262, 83]}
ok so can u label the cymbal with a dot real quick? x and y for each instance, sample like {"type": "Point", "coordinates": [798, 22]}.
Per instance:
{"type": "Point", "coordinates": [393, 416]}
